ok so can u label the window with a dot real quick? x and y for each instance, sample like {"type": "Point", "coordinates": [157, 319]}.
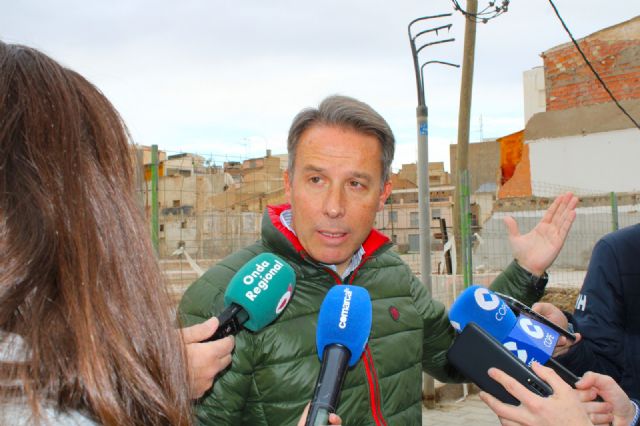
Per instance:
{"type": "Point", "coordinates": [414, 243]}
{"type": "Point", "coordinates": [394, 239]}
{"type": "Point", "coordinates": [436, 214]}
{"type": "Point", "coordinates": [176, 203]}
{"type": "Point", "coordinates": [183, 224]}
{"type": "Point", "coordinates": [414, 220]}
{"type": "Point", "coordinates": [393, 216]}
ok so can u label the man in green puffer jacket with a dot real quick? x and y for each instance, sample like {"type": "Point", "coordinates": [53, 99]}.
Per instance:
{"type": "Point", "coordinates": [338, 178]}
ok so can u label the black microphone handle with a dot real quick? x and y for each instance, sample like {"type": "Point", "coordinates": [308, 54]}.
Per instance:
{"type": "Point", "coordinates": [231, 320]}
{"type": "Point", "coordinates": [335, 362]}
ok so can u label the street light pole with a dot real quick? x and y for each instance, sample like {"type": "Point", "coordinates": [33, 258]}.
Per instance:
{"type": "Point", "coordinates": [422, 118]}
{"type": "Point", "coordinates": [424, 216]}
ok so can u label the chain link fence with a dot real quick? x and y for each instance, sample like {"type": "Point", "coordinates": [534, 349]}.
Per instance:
{"type": "Point", "coordinates": [210, 206]}
{"type": "Point", "coordinates": [597, 213]}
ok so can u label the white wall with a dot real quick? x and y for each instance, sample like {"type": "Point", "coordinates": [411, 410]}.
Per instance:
{"type": "Point", "coordinates": [598, 162]}
{"type": "Point", "coordinates": [534, 95]}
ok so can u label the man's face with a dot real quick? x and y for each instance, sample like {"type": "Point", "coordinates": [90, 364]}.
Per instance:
{"type": "Point", "coordinates": [335, 191]}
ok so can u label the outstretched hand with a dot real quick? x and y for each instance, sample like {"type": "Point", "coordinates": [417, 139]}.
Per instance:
{"type": "Point", "coordinates": [536, 250]}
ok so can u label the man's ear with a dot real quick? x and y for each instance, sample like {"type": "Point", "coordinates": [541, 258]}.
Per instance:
{"type": "Point", "coordinates": [386, 192]}
{"type": "Point", "coordinates": [287, 185]}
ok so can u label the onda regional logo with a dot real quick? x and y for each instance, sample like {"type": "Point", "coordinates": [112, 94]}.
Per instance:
{"type": "Point", "coordinates": [284, 300]}
{"type": "Point", "coordinates": [260, 278]}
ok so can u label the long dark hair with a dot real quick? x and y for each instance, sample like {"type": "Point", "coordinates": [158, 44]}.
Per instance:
{"type": "Point", "coordinates": [79, 282]}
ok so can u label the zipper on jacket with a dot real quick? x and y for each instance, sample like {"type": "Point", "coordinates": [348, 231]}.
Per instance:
{"type": "Point", "coordinates": [374, 388]}
{"type": "Point", "coordinates": [367, 357]}
{"type": "Point", "coordinates": [370, 370]}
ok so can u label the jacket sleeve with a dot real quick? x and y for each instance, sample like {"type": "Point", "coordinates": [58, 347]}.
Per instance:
{"type": "Point", "coordinates": [437, 337]}
{"type": "Point", "coordinates": [636, 419]}
{"type": "Point", "coordinates": [224, 403]}
{"type": "Point", "coordinates": [599, 317]}
{"type": "Point", "coordinates": [438, 332]}
{"type": "Point", "coordinates": [515, 282]}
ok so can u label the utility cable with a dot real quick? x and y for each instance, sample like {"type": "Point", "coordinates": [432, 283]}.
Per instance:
{"type": "Point", "coordinates": [604, 85]}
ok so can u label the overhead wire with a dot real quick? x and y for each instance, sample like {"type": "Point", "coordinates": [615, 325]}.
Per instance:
{"type": "Point", "coordinates": [595, 73]}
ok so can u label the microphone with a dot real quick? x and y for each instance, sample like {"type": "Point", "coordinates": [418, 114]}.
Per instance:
{"type": "Point", "coordinates": [531, 341]}
{"type": "Point", "coordinates": [344, 324]}
{"type": "Point", "coordinates": [256, 295]}
{"type": "Point", "coordinates": [527, 338]}
{"type": "Point", "coordinates": [482, 306]}
{"type": "Point", "coordinates": [483, 321]}
{"type": "Point", "coordinates": [534, 338]}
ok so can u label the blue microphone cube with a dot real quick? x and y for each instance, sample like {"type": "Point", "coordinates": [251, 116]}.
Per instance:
{"type": "Point", "coordinates": [345, 319]}
{"type": "Point", "coordinates": [531, 340]}
{"type": "Point", "coordinates": [482, 306]}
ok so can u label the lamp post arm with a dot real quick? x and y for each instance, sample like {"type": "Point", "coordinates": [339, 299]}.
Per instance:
{"type": "Point", "coordinates": [441, 62]}
{"type": "Point", "coordinates": [422, 73]}
{"type": "Point", "coordinates": [416, 67]}
{"type": "Point", "coordinates": [442, 27]}
{"type": "Point", "coordinates": [424, 18]}
{"type": "Point", "coordinates": [414, 52]}
{"type": "Point", "coordinates": [447, 40]}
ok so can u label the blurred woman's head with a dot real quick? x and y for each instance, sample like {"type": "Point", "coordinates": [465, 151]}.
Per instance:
{"type": "Point", "coordinates": [79, 282]}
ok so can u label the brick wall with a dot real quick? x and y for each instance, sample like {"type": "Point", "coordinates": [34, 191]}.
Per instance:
{"type": "Point", "coordinates": [570, 83]}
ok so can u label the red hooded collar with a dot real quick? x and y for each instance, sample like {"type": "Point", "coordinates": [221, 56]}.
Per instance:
{"type": "Point", "coordinates": [374, 241]}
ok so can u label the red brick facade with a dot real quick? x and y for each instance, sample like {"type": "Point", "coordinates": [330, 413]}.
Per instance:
{"type": "Point", "coordinates": [615, 55]}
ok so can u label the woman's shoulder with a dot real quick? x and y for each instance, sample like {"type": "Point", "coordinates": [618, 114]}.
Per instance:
{"type": "Point", "coordinates": [20, 413]}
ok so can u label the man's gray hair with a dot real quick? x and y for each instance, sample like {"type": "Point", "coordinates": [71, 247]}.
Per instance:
{"type": "Point", "coordinates": [346, 112]}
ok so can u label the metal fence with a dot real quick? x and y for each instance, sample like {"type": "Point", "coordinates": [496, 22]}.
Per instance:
{"type": "Point", "coordinates": [597, 214]}
{"type": "Point", "coordinates": [200, 221]}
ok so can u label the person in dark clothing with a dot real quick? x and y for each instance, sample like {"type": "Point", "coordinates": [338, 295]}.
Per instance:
{"type": "Point", "coordinates": [606, 314]}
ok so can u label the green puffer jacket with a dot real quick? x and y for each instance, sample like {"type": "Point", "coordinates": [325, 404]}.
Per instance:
{"type": "Point", "coordinates": [273, 372]}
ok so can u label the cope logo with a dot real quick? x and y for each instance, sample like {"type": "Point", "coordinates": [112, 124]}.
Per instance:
{"type": "Point", "coordinates": [520, 353]}
{"type": "Point", "coordinates": [284, 300]}
{"type": "Point", "coordinates": [485, 299]}
{"type": "Point", "coordinates": [531, 329]}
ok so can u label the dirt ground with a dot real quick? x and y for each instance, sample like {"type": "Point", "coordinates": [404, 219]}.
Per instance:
{"type": "Point", "coordinates": [563, 298]}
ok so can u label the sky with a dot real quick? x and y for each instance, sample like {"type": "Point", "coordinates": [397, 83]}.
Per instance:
{"type": "Point", "coordinates": [224, 79]}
